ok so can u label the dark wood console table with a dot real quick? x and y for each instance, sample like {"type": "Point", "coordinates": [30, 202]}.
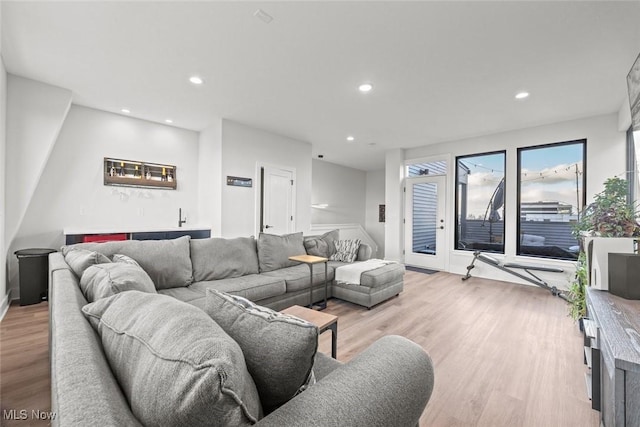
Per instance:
{"type": "Point", "coordinates": [83, 235]}
{"type": "Point", "coordinates": [612, 334]}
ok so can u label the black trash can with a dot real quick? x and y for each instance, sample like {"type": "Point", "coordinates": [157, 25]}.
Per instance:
{"type": "Point", "coordinates": [33, 269]}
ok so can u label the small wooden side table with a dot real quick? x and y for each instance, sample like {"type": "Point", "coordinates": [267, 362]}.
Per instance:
{"type": "Point", "coordinates": [310, 260]}
{"type": "Point", "coordinates": [323, 321]}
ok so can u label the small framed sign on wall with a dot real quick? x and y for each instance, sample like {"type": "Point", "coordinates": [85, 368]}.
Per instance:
{"type": "Point", "coordinates": [381, 213]}
{"type": "Point", "coordinates": [239, 181]}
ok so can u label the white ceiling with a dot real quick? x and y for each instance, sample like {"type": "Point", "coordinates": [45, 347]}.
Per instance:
{"type": "Point", "coordinates": [442, 70]}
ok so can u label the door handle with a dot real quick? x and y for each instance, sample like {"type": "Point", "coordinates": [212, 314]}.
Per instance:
{"type": "Point", "coordinates": [442, 227]}
{"type": "Point", "coordinates": [269, 226]}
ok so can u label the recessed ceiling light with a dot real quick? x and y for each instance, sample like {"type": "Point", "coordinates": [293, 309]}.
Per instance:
{"type": "Point", "coordinates": [365, 87]}
{"type": "Point", "coordinates": [522, 95]}
{"type": "Point", "coordinates": [196, 80]}
{"type": "Point", "coordinates": [350, 138]}
{"type": "Point", "coordinates": [125, 110]}
{"type": "Point", "coordinates": [169, 121]}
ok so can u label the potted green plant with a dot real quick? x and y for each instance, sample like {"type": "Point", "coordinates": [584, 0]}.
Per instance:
{"type": "Point", "coordinates": [578, 289]}
{"type": "Point", "coordinates": [609, 216]}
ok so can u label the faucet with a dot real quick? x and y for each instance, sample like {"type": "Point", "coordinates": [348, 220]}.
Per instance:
{"type": "Point", "coordinates": [180, 220]}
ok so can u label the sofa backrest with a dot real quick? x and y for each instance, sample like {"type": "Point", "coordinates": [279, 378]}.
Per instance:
{"type": "Point", "coordinates": [218, 258]}
{"type": "Point", "coordinates": [324, 245]}
{"type": "Point", "coordinates": [274, 250]}
{"type": "Point", "coordinates": [167, 262]}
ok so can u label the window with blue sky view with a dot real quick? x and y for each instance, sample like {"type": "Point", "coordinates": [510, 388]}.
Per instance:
{"type": "Point", "coordinates": [480, 200]}
{"type": "Point", "coordinates": [551, 194]}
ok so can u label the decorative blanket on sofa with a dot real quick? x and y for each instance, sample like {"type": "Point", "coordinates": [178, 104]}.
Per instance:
{"type": "Point", "coordinates": [350, 274]}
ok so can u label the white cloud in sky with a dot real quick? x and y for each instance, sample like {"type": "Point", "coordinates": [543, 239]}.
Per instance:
{"type": "Point", "coordinates": [559, 173]}
{"type": "Point", "coordinates": [558, 184]}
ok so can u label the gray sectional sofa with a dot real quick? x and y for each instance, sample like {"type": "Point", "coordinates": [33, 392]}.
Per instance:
{"type": "Point", "coordinates": [257, 269]}
{"type": "Point", "coordinates": [387, 384]}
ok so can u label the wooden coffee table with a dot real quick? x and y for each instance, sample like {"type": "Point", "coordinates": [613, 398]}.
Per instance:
{"type": "Point", "coordinates": [323, 321]}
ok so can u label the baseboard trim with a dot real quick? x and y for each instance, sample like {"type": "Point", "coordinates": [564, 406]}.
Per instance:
{"type": "Point", "coordinates": [4, 306]}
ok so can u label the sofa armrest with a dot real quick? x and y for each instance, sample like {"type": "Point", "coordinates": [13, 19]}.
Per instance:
{"type": "Point", "coordinates": [57, 262]}
{"type": "Point", "coordinates": [388, 384]}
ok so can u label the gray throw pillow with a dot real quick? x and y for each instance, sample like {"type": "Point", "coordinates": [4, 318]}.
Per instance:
{"type": "Point", "coordinates": [216, 258]}
{"type": "Point", "coordinates": [124, 259]}
{"type": "Point", "coordinates": [175, 365]}
{"type": "Point", "coordinates": [321, 246]}
{"type": "Point", "coordinates": [167, 262]}
{"type": "Point", "coordinates": [80, 259]}
{"type": "Point", "coordinates": [274, 250]}
{"type": "Point", "coordinates": [103, 280]}
{"type": "Point", "coordinates": [346, 250]}
{"type": "Point", "coordinates": [279, 349]}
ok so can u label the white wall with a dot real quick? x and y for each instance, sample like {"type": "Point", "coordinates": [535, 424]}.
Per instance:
{"type": "Point", "coordinates": [35, 113]}
{"type": "Point", "coordinates": [343, 189]}
{"type": "Point", "coordinates": [375, 198]}
{"type": "Point", "coordinates": [71, 192]}
{"type": "Point", "coordinates": [394, 201]}
{"type": "Point", "coordinates": [4, 296]}
{"type": "Point", "coordinates": [243, 147]}
{"type": "Point", "coordinates": [210, 176]}
{"type": "Point", "coordinates": [605, 158]}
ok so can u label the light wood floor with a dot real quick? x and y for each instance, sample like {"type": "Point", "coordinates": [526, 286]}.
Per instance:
{"type": "Point", "coordinates": [504, 354]}
{"type": "Point", "coordinates": [24, 363]}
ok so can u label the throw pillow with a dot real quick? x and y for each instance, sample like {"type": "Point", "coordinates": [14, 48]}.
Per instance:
{"type": "Point", "coordinates": [167, 262]}
{"type": "Point", "coordinates": [103, 280]}
{"type": "Point", "coordinates": [346, 250]}
{"type": "Point", "coordinates": [174, 364]}
{"type": "Point", "coordinates": [217, 258]}
{"type": "Point", "coordinates": [321, 245]}
{"type": "Point", "coordinates": [274, 250]}
{"type": "Point", "coordinates": [124, 259]}
{"type": "Point", "coordinates": [279, 349]}
{"type": "Point", "coordinates": [80, 259]}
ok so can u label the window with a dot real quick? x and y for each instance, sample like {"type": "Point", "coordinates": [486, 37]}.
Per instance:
{"type": "Point", "coordinates": [438, 167]}
{"type": "Point", "coordinates": [480, 202]}
{"type": "Point", "coordinates": [551, 194]}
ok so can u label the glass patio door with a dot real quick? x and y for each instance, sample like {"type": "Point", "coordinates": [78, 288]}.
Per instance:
{"type": "Point", "coordinates": [425, 226]}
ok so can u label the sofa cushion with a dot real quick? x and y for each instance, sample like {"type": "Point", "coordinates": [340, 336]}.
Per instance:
{"type": "Point", "coordinates": [218, 258]}
{"type": "Point", "coordinates": [186, 294]}
{"type": "Point", "coordinates": [297, 277]}
{"type": "Point", "coordinates": [279, 349]}
{"type": "Point", "coordinates": [322, 246]}
{"type": "Point", "coordinates": [168, 262]}
{"type": "Point", "coordinates": [254, 287]}
{"type": "Point", "coordinates": [81, 259]}
{"type": "Point", "coordinates": [175, 365]}
{"type": "Point", "coordinates": [346, 250]}
{"type": "Point", "coordinates": [104, 280]}
{"type": "Point", "coordinates": [274, 251]}
{"type": "Point", "coordinates": [383, 276]}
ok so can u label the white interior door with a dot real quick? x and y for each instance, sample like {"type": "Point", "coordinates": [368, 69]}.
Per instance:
{"type": "Point", "coordinates": [425, 227]}
{"type": "Point", "coordinates": [278, 194]}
